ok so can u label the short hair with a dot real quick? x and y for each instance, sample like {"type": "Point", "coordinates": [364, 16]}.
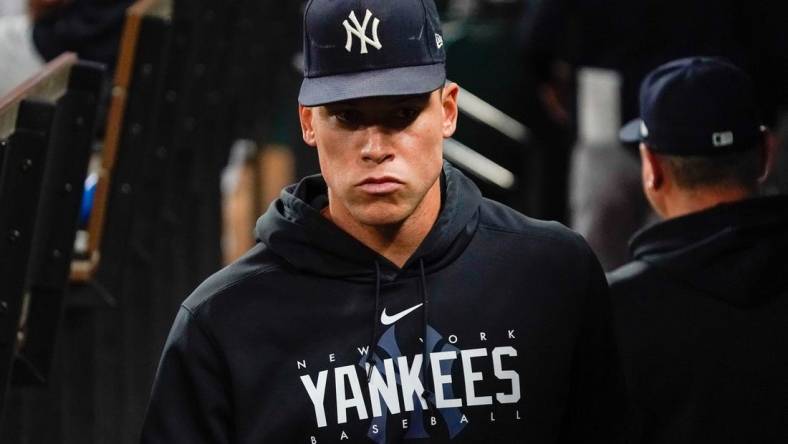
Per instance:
{"type": "Point", "coordinates": [739, 169]}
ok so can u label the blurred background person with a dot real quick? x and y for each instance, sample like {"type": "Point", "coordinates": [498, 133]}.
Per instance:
{"type": "Point", "coordinates": [48, 28]}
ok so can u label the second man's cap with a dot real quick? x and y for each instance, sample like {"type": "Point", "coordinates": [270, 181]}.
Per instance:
{"type": "Point", "coordinates": [695, 106]}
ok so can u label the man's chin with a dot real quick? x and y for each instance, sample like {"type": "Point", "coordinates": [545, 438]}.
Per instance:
{"type": "Point", "coordinates": [383, 215]}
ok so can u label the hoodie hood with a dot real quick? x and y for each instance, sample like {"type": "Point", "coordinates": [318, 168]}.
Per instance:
{"type": "Point", "coordinates": [294, 229]}
{"type": "Point", "coordinates": [733, 252]}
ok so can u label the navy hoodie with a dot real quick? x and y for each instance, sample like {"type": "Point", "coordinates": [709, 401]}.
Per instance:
{"type": "Point", "coordinates": [701, 315]}
{"type": "Point", "coordinates": [275, 348]}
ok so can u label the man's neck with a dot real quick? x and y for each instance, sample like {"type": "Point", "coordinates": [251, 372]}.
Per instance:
{"type": "Point", "coordinates": [397, 242]}
{"type": "Point", "coordinates": [687, 202]}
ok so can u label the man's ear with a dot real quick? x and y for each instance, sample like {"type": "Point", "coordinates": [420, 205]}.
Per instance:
{"type": "Point", "coordinates": [305, 114]}
{"type": "Point", "coordinates": [653, 173]}
{"type": "Point", "coordinates": [655, 186]}
{"type": "Point", "coordinates": [768, 148]}
{"type": "Point", "coordinates": [450, 110]}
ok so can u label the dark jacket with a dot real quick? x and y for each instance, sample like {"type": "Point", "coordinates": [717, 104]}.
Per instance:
{"type": "Point", "coordinates": [275, 347]}
{"type": "Point", "coordinates": [91, 28]}
{"type": "Point", "coordinates": [702, 318]}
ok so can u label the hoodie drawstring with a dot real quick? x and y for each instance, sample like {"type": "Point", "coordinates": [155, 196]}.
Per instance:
{"type": "Point", "coordinates": [370, 360]}
{"type": "Point", "coordinates": [427, 382]}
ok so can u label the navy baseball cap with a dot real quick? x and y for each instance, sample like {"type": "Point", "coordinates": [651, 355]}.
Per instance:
{"type": "Point", "coordinates": [696, 106]}
{"type": "Point", "coordinates": [366, 48]}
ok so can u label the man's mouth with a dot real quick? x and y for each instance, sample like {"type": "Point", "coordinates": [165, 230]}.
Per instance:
{"type": "Point", "coordinates": [380, 185]}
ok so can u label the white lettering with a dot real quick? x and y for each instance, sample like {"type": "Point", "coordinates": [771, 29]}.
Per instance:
{"type": "Point", "coordinates": [441, 379]}
{"type": "Point", "coordinates": [363, 350]}
{"type": "Point", "coordinates": [506, 374]}
{"type": "Point", "coordinates": [470, 377]}
{"type": "Point", "coordinates": [433, 420]}
{"type": "Point", "coordinates": [375, 430]}
{"type": "Point", "coordinates": [517, 415]}
{"type": "Point", "coordinates": [343, 436]}
{"type": "Point", "coordinates": [511, 334]}
{"type": "Point", "coordinates": [453, 339]}
{"type": "Point", "coordinates": [411, 384]}
{"type": "Point", "coordinates": [386, 390]}
{"type": "Point", "coordinates": [356, 399]}
{"type": "Point", "coordinates": [388, 376]}
{"type": "Point", "coordinates": [483, 336]}
{"type": "Point", "coordinates": [317, 393]}
{"type": "Point", "coordinates": [464, 419]}
{"type": "Point", "coordinates": [404, 423]}
{"type": "Point", "coordinates": [301, 364]}
{"type": "Point", "coordinates": [312, 440]}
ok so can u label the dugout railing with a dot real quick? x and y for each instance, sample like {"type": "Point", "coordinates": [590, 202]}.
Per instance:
{"type": "Point", "coordinates": [46, 128]}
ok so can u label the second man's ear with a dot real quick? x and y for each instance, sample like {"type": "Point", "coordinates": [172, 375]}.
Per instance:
{"type": "Point", "coordinates": [653, 173]}
{"type": "Point", "coordinates": [768, 148]}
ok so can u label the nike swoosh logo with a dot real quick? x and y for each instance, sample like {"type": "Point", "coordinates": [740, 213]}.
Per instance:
{"type": "Point", "coordinates": [388, 320]}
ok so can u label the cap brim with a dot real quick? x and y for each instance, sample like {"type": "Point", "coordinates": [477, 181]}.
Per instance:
{"type": "Point", "coordinates": [380, 82]}
{"type": "Point", "coordinates": [630, 133]}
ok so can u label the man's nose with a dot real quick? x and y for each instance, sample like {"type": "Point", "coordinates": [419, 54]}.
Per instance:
{"type": "Point", "coordinates": [377, 147]}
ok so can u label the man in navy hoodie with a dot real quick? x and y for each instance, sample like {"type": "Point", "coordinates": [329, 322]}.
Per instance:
{"type": "Point", "coordinates": [701, 312]}
{"type": "Point", "coordinates": [386, 300]}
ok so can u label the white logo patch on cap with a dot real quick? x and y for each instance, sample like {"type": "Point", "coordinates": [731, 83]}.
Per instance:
{"type": "Point", "coordinates": [722, 139]}
{"type": "Point", "coordinates": [360, 31]}
{"type": "Point", "coordinates": [439, 41]}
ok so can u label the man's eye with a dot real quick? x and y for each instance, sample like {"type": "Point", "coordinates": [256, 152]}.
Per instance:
{"type": "Point", "coordinates": [348, 116]}
{"type": "Point", "coordinates": [407, 113]}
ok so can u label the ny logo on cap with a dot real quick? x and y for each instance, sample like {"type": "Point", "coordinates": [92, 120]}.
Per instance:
{"type": "Point", "coordinates": [360, 31]}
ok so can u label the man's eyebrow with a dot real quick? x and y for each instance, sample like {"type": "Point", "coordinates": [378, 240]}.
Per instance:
{"type": "Point", "coordinates": [414, 98]}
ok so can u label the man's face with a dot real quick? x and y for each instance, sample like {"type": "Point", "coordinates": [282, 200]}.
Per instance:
{"type": "Point", "coordinates": [380, 156]}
